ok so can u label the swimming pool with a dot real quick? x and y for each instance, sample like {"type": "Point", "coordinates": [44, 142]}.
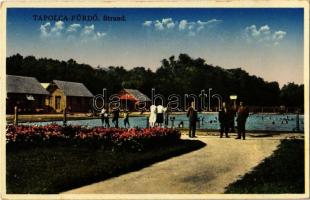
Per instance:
{"type": "Point", "coordinates": [255, 122]}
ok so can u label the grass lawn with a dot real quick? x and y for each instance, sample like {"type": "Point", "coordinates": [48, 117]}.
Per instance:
{"type": "Point", "coordinates": [47, 170]}
{"type": "Point", "coordinates": [283, 172]}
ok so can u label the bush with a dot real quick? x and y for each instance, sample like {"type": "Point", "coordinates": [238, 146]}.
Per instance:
{"type": "Point", "coordinates": [108, 138]}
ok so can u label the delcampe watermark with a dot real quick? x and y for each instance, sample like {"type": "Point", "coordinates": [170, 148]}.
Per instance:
{"type": "Point", "coordinates": [174, 102]}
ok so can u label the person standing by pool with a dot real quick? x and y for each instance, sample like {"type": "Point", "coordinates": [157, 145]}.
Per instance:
{"type": "Point", "coordinates": [105, 117]}
{"type": "Point", "coordinates": [192, 118]}
{"type": "Point", "coordinates": [224, 121]}
{"type": "Point", "coordinates": [231, 112]}
{"type": "Point", "coordinates": [166, 117]}
{"type": "Point", "coordinates": [242, 116]}
{"type": "Point", "coordinates": [115, 117]}
{"type": "Point", "coordinates": [160, 115]}
{"type": "Point", "coordinates": [126, 119]}
{"type": "Point", "coordinates": [152, 118]}
{"type": "Point", "coordinates": [102, 116]}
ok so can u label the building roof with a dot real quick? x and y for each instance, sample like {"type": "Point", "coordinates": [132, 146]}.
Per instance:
{"type": "Point", "coordinates": [24, 85]}
{"type": "Point", "coordinates": [73, 89]}
{"type": "Point", "coordinates": [45, 85]}
{"type": "Point", "coordinates": [139, 96]}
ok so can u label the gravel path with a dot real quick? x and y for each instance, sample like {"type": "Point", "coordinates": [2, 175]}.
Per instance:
{"type": "Point", "coordinates": [207, 170]}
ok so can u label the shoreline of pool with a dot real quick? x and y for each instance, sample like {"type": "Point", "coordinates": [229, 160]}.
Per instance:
{"type": "Point", "coordinates": [87, 116]}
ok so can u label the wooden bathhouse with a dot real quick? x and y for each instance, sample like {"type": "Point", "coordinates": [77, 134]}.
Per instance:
{"type": "Point", "coordinates": [130, 97]}
{"type": "Point", "coordinates": [71, 95]}
{"type": "Point", "coordinates": [26, 93]}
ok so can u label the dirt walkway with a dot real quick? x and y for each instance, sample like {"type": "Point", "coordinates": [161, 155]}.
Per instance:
{"type": "Point", "coordinates": [207, 170]}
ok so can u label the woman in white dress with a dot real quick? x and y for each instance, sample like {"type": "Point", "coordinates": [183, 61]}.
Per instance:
{"type": "Point", "coordinates": [152, 118]}
{"type": "Point", "coordinates": [160, 115]}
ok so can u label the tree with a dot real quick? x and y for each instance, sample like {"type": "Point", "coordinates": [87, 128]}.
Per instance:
{"type": "Point", "coordinates": [292, 95]}
{"type": "Point", "coordinates": [176, 75]}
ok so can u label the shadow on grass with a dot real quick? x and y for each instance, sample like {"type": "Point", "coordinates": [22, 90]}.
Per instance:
{"type": "Point", "coordinates": [51, 170]}
{"type": "Point", "coordinates": [283, 172]}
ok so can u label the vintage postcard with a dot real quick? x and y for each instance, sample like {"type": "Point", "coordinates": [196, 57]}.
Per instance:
{"type": "Point", "coordinates": [154, 100]}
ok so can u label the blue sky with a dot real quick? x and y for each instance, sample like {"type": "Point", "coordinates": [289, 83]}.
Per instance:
{"type": "Point", "coordinates": [265, 42]}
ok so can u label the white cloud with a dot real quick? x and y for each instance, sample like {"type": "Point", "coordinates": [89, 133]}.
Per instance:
{"type": "Point", "coordinates": [183, 24]}
{"type": "Point", "coordinates": [88, 33]}
{"type": "Point", "coordinates": [195, 27]}
{"type": "Point", "coordinates": [59, 26]}
{"type": "Point", "coordinates": [213, 22]}
{"type": "Point", "coordinates": [45, 29]}
{"type": "Point", "coordinates": [252, 31]}
{"type": "Point", "coordinates": [201, 23]}
{"type": "Point", "coordinates": [158, 25]}
{"type": "Point", "coordinates": [166, 21]}
{"type": "Point", "coordinates": [100, 34]}
{"type": "Point", "coordinates": [210, 23]}
{"type": "Point", "coordinates": [189, 27]}
{"type": "Point", "coordinates": [73, 27]}
{"type": "Point", "coordinates": [88, 30]}
{"type": "Point", "coordinates": [264, 34]}
{"type": "Point", "coordinates": [279, 35]}
{"type": "Point", "coordinates": [147, 23]}
{"type": "Point", "coordinates": [170, 25]}
{"type": "Point", "coordinates": [73, 32]}
{"type": "Point", "coordinates": [264, 29]}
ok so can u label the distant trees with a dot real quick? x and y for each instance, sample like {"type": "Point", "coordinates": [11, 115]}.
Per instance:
{"type": "Point", "coordinates": [292, 94]}
{"type": "Point", "coordinates": [175, 75]}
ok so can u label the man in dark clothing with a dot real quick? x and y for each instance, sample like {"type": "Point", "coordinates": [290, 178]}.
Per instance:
{"type": "Point", "coordinates": [105, 117]}
{"type": "Point", "coordinates": [231, 118]}
{"type": "Point", "coordinates": [126, 119]}
{"type": "Point", "coordinates": [242, 116]}
{"type": "Point", "coordinates": [224, 121]}
{"type": "Point", "coordinates": [193, 117]}
{"type": "Point", "coordinates": [115, 117]}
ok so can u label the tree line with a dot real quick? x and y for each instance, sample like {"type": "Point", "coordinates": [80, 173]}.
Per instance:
{"type": "Point", "coordinates": [179, 75]}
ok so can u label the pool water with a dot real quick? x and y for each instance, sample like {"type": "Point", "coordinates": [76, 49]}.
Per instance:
{"type": "Point", "coordinates": [255, 122]}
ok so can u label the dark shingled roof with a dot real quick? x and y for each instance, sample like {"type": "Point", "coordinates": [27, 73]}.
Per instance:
{"type": "Point", "coordinates": [73, 89]}
{"type": "Point", "coordinates": [137, 94]}
{"type": "Point", "coordinates": [24, 85]}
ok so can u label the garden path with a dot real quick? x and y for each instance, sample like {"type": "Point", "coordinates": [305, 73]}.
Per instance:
{"type": "Point", "coordinates": [207, 170]}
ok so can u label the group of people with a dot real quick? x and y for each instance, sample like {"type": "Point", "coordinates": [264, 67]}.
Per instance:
{"type": "Point", "coordinates": [105, 117]}
{"type": "Point", "coordinates": [226, 117]}
{"type": "Point", "coordinates": [227, 120]}
{"type": "Point", "coordinates": [158, 116]}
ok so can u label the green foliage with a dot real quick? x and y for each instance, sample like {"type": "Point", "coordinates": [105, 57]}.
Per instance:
{"type": "Point", "coordinates": [50, 170]}
{"type": "Point", "coordinates": [292, 94]}
{"type": "Point", "coordinates": [175, 76]}
{"type": "Point", "coordinates": [283, 172]}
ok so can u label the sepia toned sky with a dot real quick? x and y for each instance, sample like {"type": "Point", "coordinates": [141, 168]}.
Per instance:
{"type": "Point", "coordinates": [265, 42]}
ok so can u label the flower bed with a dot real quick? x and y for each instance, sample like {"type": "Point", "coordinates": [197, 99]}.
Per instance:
{"type": "Point", "coordinates": [109, 138]}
